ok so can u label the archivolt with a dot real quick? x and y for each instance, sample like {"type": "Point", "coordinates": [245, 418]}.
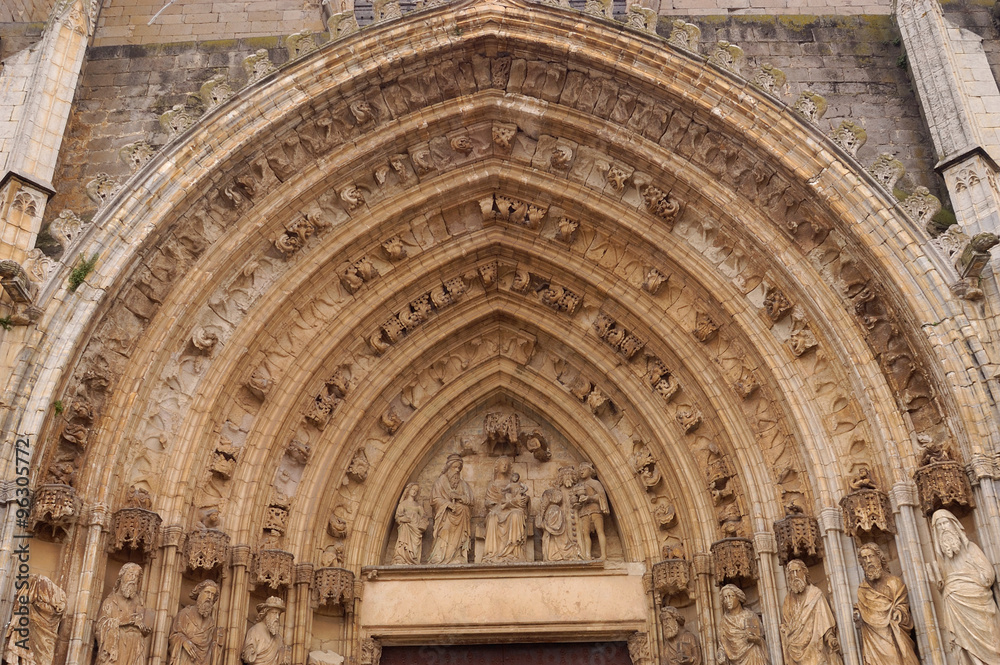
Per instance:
{"type": "Point", "coordinates": [768, 207]}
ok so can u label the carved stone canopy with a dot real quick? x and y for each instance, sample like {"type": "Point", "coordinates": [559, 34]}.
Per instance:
{"type": "Point", "coordinates": [272, 568]}
{"type": "Point", "coordinates": [55, 507]}
{"type": "Point", "coordinates": [867, 511]}
{"type": "Point", "coordinates": [798, 537]}
{"type": "Point", "coordinates": [206, 549]}
{"type": "Point", "coordinates": [735, 561]}
{"type": "Point", "coordinates": [333, 587]}
{"type": "Point", "coordinates": [135, 529]}
{"type": "Point", "coordinates": [943, 485]}
{"type": "Point", "coordinates": [672, 577]}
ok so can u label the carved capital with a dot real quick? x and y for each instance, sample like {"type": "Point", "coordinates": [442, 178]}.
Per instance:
{"type": "Point", "coordinates": [702, 563]}
{"type": "Point", "coordinates": [98, 515]}
{"type": "Point", "coordinates": [904, 494]}
{"type": "Point", "coordinates": [241, 555]}
{"type": "Point", "coordinates": [171, 535]}
{"type": "Point", "coordinates": [831, 519]}
{"type": "Point", "coordinates": [304, 573]}
{"type": "Point", "coordinates": [765, 542]}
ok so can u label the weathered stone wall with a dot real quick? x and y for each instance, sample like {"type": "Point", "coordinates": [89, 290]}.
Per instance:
{"type": "Point", "coordinates": [124, 91]}
{"type": "Point", "coordinates": [977, 16]}
{"type": "Point", "coordinates": [856, 63]}
{"type": "Point", "coordinates": [25, 10]}
{"type": "Point", "coordinates": [128, 21]}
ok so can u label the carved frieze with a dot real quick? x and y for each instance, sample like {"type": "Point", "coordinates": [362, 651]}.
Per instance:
{"type": "Point", "coordinates": [734, 561]}
{"type": "Point", "coordinates": [638, 649]}
{"type": "Point", "coordinates": [334, 586]}
{"type": "Point", "coordinates": [300, 44]}
{"type": "Point", "coordinates": [665, 515]}
{"type": "Point", "coordinates": [223, 462]}
{"type": "Point", "coordinates": [644, 465]}
{"type": "Point", "coordinates": [617, 336]}
{"type": "Point", "coordinates": [641, 18]}
{"type": "Point", "coordinates": [503, 134]}
{"type": "Point", "coordinates": [329, 398]}
{"type": "Point", "coordinates": [358, 469]}
{"type": "Point", "coordinates": [273, 568]}
{"type": "Point", "coordinates": [727, 55]}
{"type": "Point", "coordinates": [414, 314]}
{"type": "Point", "coordinates": [661, 205]}
{"type": "Point", "coordinates": [798, 537]}
{"type": "Point", "coordinates": [215, 91]}
{"type": "Point", "coordinates": [136, 154]}
{"type": "Point", "coordinates": [776, 305]}
{"type": "Point", "coordinates": [705, 328]}
{"type": "Point", "coordinates": [672, 577]}
{"type": "Point", "coordinates": [653, 280]}
{"type": "Point", "coordinates": [371, 651]}
{"type": "Point", "coordinates": [390, 421]}
{"type": "Point", "coordinates": [513, 210]}
{"type": "Point", "coordinates": [258, 65]}
{"type": "Point", "coordinates": [921, 205]}
{"type": "Point", "coordinates": [566, 230]}
{"type": "Point", "coordinates": [689, 418]}
{"type": "Point", "coordinates": [206, 549]}
{"type": "Point", "coordinates": [812, 106]}
{"type": "Point", "coordinates": [54, 507]}
{"type": "Point", "coordinates": [887, 170]}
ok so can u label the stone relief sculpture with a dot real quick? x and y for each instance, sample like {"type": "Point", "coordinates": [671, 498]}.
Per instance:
{"type": "Point", "coordinates": [592, 506]}
{"type": "Point", "coordinates": [411, 522]}
{"type": "Point", "coordinates": [558, 519]}
{"type": "Point", "coordinates": [965, 579]}
{"type": "Point", "coordinates": [882, 612]}
{"type": "Point", "coordinates": [121, 624]}
{"type": "Point", "coordinates": [34, 643]}
{"type": "Point", "coordinates": [507, 503]}
{"type": "Point", "coordinates": [680, 646]}
{"type": "Point", "coordinates": [192, 636]}
{"type": "Point", "coordinates": [741, 635]}
{"type": "Point", "coordinates": [451, 499]}
{"type": "Point", "coordinates": [808, 629]}
{"type": "Point", "coordinates": [263, 644]}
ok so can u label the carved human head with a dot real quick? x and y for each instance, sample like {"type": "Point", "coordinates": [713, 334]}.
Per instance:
{"type": "Point", "coordinates": [949, 534]}
{"type": "Point", "coordinates": [515, 477]}
{"type": "Point", "coordinates": [873, 561]}
{"type": "Point", "coordinates": [205, 594]}
{"type": "Point", "coordinates": [412, 491]}
{"type": "Point", "coordinates": [671, 620]}
{"type": "Point", "coordinates": [586, 470]}
{"type": "Point", "coordinates": [797, 575]}
{"type": "Point", "coordinates": [567, 476]}
{"type": "Point", "coordinates": [128, 580]}
{"type": "Point", "coordinates": [268, 612]}
{"type": "Point", "coordinates": [501, 467]}
{"type": "Point", "coordinates": [732, 597]}
{"type": "Point", "coordinates": [454, 463]}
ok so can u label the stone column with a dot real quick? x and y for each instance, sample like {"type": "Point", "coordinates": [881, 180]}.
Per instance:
{"type": "Point", "coordinates": [300, 608]}
{"type": "Point", "coordinates": [167, 589]}
{"type": "Point", "coordinates": [840, 559]}
{"type": "Point", "coordinates": [704, 596]}
{"type": "Point", "coordinates": [906, 506]}
{"type": "Point", "coordinates": [766, 547]}
{"type": "Point", "coordinates": [962, 112]}
{"type": "Point", "coordinates": [90, 583]}
{"type": "Point", "coordinates": [983, 473]}
{"type": "Point", "coordinates": [238, 602]}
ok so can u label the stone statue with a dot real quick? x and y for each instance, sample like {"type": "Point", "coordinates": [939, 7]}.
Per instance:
{"type": "Point", "coordinates": [508, 512]}
{"type": "Point", "coordinates": [965, 580]}
{"type": "Point", "coordinates": [883, 612]}
{"type": "Point", "coordinates": [121, 624]}
{"type": "Point", "coordinates": [592, 506]}
{"type": "Point", "coordinates": [558, 519]}
{"type": "Point", "coordinates": [741, 635]}
{"type": "Point", "coordinates": [680, 646]}
{"type": "Point", "coordinates": [451, 499]}
{"type": "Point", "coordinates": [31, 634]}
{"type": "Point", "coordinates": [808, 629]}
{"type": "Point", "coordinates": [263, 644]}
{"type": "Point", "coordinates": [192, 636]}
{"type": "Point", "coordinates": [411, 522]}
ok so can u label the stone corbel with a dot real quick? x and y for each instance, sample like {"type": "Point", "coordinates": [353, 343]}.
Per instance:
{"type": "Point", "coordinates": [21, 291]}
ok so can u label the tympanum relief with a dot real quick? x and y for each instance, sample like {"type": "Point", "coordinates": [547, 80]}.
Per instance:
{"type": "Point", "coordinates": [488, 496]}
